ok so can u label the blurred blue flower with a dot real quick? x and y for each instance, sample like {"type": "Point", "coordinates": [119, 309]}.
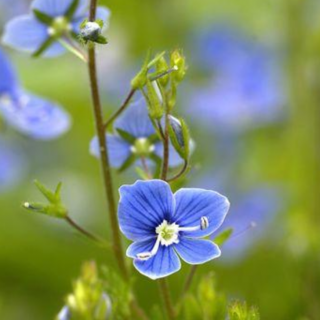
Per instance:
{"type": "Point", "coordinates": [163, 224]}
{"type": "Point", "coordinates": [27, 113]}
{"type": "Point", "coordinates": [250, 218]}
{"type": "Point", "coordinates": [11, 165]}
{"type": "Point", "coordinates": [251, 215]}
{"type": "Point", "coordinates": [49, 21]}
{"type": "Point", "coordinates": [244, 89]}
{"type": "Point", "coordinates": [135, 139]}
{"type": "Point", "coordinates": [9, 9]}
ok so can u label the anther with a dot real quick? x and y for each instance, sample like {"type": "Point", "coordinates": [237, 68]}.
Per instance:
{"type": "Point", "coordinates": [204, 223]}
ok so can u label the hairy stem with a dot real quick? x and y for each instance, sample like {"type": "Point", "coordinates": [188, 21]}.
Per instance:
{"type": "Point", "coordinates": [104, 158]}
{"type": "Point", "coordinates": [165, 293]}
{"type": "Point", "coordinates": [121, 109]}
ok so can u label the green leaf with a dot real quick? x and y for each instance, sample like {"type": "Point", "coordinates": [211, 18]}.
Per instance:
{"type": "Point", "coordinates": [126, 135]}
{"type": "Point", "coordinates": [156, 59]}
{"type": "Point", "coordinates": [140, 79]}
{"type": "Point", "coordinates": [51, 197]}
{"type": "Point", "coordinates": [223, 236]}
{"type": "Point", "coordinates": [127, 163]}
{"type": "Point", "coordinates": [101, 40]}
{"type": "Point", "coordinates": [240, 311]}
{"type": "Point", "coordinates": [72, 9]}
{"type": "Point", "coordinates": [43, 17]}
{"type": "Point", "coordinates": [45, 45]}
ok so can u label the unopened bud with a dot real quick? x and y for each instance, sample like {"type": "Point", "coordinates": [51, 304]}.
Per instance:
{"type": "Point", "coordinates": [178, 61]}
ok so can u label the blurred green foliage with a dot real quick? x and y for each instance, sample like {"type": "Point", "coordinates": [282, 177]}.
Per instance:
{"type": "Point", "coordinates": [40, 257]}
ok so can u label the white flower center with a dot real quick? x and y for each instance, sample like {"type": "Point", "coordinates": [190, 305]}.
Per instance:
{"type": "Point", "coordinates": [168, 234]}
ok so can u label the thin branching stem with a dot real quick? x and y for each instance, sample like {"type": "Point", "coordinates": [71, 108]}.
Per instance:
{"type": "Point", "coordinates": [86, 233]}
{"type": "Point", "coordinates": [104, 158]}
{"type": "Point", "coordinates": [146, 167]}
{"type": "Point", "coordinates": [165, 162]}
{"type": "Point", "coordinates": [121, 109]}
{"type": "Point", "coordinates": [180, 173]}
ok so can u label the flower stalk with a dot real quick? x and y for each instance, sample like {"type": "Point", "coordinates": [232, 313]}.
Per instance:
{"type": "Point", "coordinates": [104, 158]}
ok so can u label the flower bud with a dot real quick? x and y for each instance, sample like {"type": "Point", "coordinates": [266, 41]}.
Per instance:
{"type": "Point", "coordinates": [178, 60]}
{"type": "Point", "coordinates": [179, 136]}
{"type": "Point", "coordinates": [91, 31]}
{"type": "Point", "coordinates": [162, 66]}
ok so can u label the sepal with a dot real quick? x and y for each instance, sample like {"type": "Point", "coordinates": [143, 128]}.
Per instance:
{"type": "Point", "coordinates": [55, 208]}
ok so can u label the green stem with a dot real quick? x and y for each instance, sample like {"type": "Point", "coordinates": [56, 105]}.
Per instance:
{"type": "Point", "coordinates": [180, 173]}
{"type": "Point", "coordinates": [104, 158]}
{"type": "Point", "coordinates": [121, 109]}
{"type": "Point", "coordinates": [165, 163]}
{"type": "Point", "coordinates": [73, 49]}
{"type": "Point", "coordinates": [165, 293]}
{"type": "Point", "coordinates": [86, 233]}
{"type": "Point", "coordinates": [189, 280]}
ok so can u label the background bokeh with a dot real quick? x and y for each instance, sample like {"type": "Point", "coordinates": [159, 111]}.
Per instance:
{"type": "Point", "coordinates": [268, 168]}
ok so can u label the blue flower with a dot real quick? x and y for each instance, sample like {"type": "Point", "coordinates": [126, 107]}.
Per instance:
{"type": "Point", "coordinates": [135, 139]}
{"type": "Point", "coordinates": [9, 9]}
{"type": "Point", "coordinates": [31, 115]}
{"type": "Point", "coordinates": [11, 165]}
{"type": "Point", "coordinates": [163, 224]}
{"type": "Point", "coordinates": [244, 88]}
{"type": "Point", "coordinates": [49, 21]}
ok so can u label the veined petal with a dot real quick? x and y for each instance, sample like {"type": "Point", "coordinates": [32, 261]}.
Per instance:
{"type": "Point", "coordinates": [197, 251]}
{"type": "Point", "coordinates": [56, 8]}
{"type": "Point", "coordinates": [8, 78]}
{"type": "Point", "coordinates": [135, 120]}
{"type": "Point", "coordinates": [138, 247]}
{"type": "Point", "coordinates": [143, 206]}
{"type": "Point", "coordinates": [164, 263]}
{"type": "Point", "coordinates": [25, 33]}
{"type": "Point", "coordinates": [35, 117]}
{"type": "Point", "coordinates": [192, 204]}
{"type": "Point", "coordinates": [119, 150]}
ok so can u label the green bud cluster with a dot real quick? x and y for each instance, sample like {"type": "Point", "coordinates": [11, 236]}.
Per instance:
{"type": "Point", "coordinates": [88, 299]}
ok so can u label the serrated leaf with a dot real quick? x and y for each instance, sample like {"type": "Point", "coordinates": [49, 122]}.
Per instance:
{"type": "Point", "coordinates": [43, 17]}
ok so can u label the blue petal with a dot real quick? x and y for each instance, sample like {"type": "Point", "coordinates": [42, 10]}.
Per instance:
{"type": "Point", "coordinates": [12, 166]}
{"type": "Point", "coordinates": [164, 263]}
{"type": "Point", "coordinates": [174, 158]}
{"type": "Point", "coordinates": [192, 204]}
{"type": "Point", "coordinates": [56, 8]}
{"type": "Point", "coordinates": [119, 150]}
{"type": "Point", "coordinates": [143, 206]}
{"type": "Point", "coordinates": [64, 314]}
{"type": "Point", "coordinates": [197, 251]}
{"type": "Point", "coordinates": [142, 246]}
{"type": "Point", "coordinates": [135, 120]}
{"type": "Point", "coordinates": [8, 78]}
{"type": "Point", "coordinates": [35, 117]}
{"type": "Point", "coordinates": [25, 33]}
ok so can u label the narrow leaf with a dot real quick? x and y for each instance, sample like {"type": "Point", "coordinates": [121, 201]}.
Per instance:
{"type": "Point", "coordinates": [43, 17]}
{"type": "Point", "coordinates": [45, 45]}
{"type": "Point", "coordinates": [72, 9]}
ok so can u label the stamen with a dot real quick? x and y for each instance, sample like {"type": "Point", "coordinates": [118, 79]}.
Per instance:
{"type": "Point", "coordinates": [204, 224]}
{"type": "Point", "coordinates": [251, 225]}
{"type": "Point", "coordinates": [148, 254]}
